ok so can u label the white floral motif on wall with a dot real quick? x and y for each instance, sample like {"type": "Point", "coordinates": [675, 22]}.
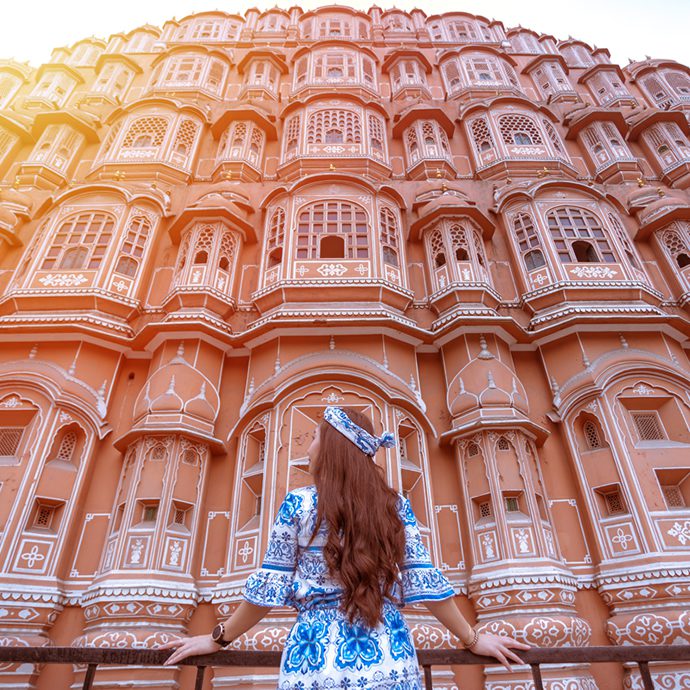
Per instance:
{"type": "Point", "coordinates": [331, 270]}
{"type": "Point", "coordinates": [63, 280]}
{"type": "Point", "coordinates": [680, 532]}
{"type": "Point", "coordinates": [593, 272]}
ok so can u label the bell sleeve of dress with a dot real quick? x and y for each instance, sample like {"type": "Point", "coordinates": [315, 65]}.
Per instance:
{"type": "Point", "coordinates": [271, 585]}
{"type": "Point", "coordinates": [420, 579]}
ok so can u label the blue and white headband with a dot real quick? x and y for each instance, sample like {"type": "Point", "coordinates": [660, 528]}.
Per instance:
{"type": "Point", "coordinates": [367, 443]}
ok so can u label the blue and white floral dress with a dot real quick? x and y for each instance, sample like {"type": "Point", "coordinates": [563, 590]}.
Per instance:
{"type": "Point", "coordinates": [322, 649]}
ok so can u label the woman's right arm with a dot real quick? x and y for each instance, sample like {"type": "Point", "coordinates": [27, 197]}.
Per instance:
{"type": "Point", "coordinates": [447, 612]}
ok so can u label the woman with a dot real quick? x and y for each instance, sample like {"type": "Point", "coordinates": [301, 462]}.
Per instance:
{"type": "Point", "coordinates": [347, 554]}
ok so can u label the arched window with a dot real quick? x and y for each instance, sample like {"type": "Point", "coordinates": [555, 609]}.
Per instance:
{"type": "Point", "coordinates": [579, 236]}
{"type": "Point", "coordinates": [388, 228]}
{"type": "Point", "coordinates": [528, 241]}
{"type": "Point", "coordinates": [482, 138]}
{"type": "Point", "coordinates": [242, 140]}
{"type": "Point", "coordinates": [292, 135]}
{"type": "Point", "coordinates": [143, 134]}
{"type": "Point", "coordinates": [207, 257]}
{"type": "Point", "coordinates": [338, 229]}
{"type": "Point", "coordinates": [551, 79]}
{"type": "Point", "coordinates": [80, 242]}
{"type": "Point", "coordinates": [676, 241]}
{"type": "Point", "coordinates": [276, 238]}
{"type": "Point", "coordinates": [668, 142]}
{"type": "Point", "coordinates": [133, 246]}
{"type": "Point", "coordinates": [659, 92]}
{"type": "Point", "coordinates": [520, 130]}
{"type": "Point", "coordinates": [456, 251]}
{"type": "Point", "coordinates": [679, 82]}
{"type": "Point", "coordinates": [624, 240]}
{"type": "Point", "coordinates": [334, 126]}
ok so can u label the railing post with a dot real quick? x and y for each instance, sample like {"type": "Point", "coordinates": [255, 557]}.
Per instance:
{"type": "Point", "coordinates": [646, 676]}
{"type": "Point", "coordinates": [427, 678]}
{"type": "Point", "coordinates": [199, 677]}
{"type": "Point", "coordinates": [536, 675]}
{"type": "Point", "coordinates": [88, 677]}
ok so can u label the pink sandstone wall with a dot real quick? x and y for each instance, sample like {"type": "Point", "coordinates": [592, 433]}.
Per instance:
{"type": "Point", "coordinates": [480, 236]}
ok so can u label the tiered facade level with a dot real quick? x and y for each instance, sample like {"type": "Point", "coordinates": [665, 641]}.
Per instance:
{"type": "Point", "coordinates": [480, 236]}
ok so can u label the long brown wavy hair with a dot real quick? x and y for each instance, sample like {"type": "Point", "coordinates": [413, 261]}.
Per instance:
{"type": "Point", "coordinates": [366, 538]}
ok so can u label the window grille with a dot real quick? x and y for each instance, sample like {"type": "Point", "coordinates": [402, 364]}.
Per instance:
{"type": "Point", "coordinates": [503, 443]}
{"type": "Point", "coordinates": [452, 75]}
{"type": "Point", "coordinates": [184, 139]}
{"type": "Point", "coordinates": [625, 241]}
{"type": "Point", "coordinates": [592, 435]}
{"type": "Point", "coordinates": [145, 132]}
{"type": "Point", "coordinates": [528, 242]}
{"type": "Point", "coordinates": [334, 126]}
{"type": "Point", "coordinates": [679, 82]}
{"type": "Point", "coordinates": [554, 139]}
{"type": "Point", "coordinates": [80, 242]}
{"type": "Point", "coordinates": [677, 246]}
{"type": "Point", "coordinates": [133, 246]}
{"type": "Point", "coordinates": [658, 91]}
{"type": "Point", "coordinates": [472, 450]}
{"type": "Point", "coordinates": [332, 219]}
{"type": "Point", "coordinates": [292, 132]}
{"type": "Point", "coordinates": [648, 426]}
{"type": "Point", "coordinates": [614, 502]}
{"type": "Point", "coordinates": [578, 235]}
{"type": "Point", "coordinates": [673, 496]}
{"type": "Point", "coordinates": [180, 517]}
{"type": "Point", "coordinates": [438, 253]}
{"type": "Point", "coordinates": [9, 440]}
{"type": "Point", "coordinates": [158, 453]}
{"type": "Point", "coordinates": [44, 515]}
{"type": "Point", "coordinates": [388, 228]}
{"type": "Point", "coordinates": [519, 129]}
{"type": "Point", "coordinates": [276, 237]}
{"type": "Point", "coordinates": [459, 243]}
{"type": "Point", "coordinates": [481, 135]}
{"type": "Point", "coordinates": [376, 135]}
{"type": "Point", "coordinates": [485, 509]}
{"type": "Point", "coordinates": [68, 445]}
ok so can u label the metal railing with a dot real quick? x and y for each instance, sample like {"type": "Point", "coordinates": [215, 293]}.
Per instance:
{"type": "Point", "coordinates": [93, 656]}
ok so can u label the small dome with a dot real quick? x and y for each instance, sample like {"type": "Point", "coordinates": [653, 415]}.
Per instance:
{"type": "Point", "coordinates": [485, 382]}
{"type": "Point", "coordinates": [179, 388]}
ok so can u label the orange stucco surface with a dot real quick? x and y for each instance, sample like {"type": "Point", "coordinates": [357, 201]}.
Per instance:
{"type": "Point", "coordinates": [479, 235]}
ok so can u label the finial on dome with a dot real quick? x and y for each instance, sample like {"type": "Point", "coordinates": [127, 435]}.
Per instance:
{"type": "Point", "coordinates": [171, 385]}
{"type": "Point", "coordinates": [331, 343]}
{"type": "Point", "coordinates": [33, 352]}
{"type": "Point", "coordinates": [484, 353]}
{"type": "Point", "coordinates": [490, 379]}
{"type": "Point", "coordinates": [624, 342]}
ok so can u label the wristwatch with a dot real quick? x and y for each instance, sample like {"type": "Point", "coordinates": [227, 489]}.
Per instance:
{"type": "Point", "coordinates": [218, 634]}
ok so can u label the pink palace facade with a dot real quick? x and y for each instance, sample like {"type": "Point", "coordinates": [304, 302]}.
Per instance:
{"type": "Point", "coordinates": [479, 235]}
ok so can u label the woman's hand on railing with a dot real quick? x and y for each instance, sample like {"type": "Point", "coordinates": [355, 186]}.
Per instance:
{"type": "Point", "coordinates": [189, 646]}
{"type": "Point", "coordinates": [498, 646]}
